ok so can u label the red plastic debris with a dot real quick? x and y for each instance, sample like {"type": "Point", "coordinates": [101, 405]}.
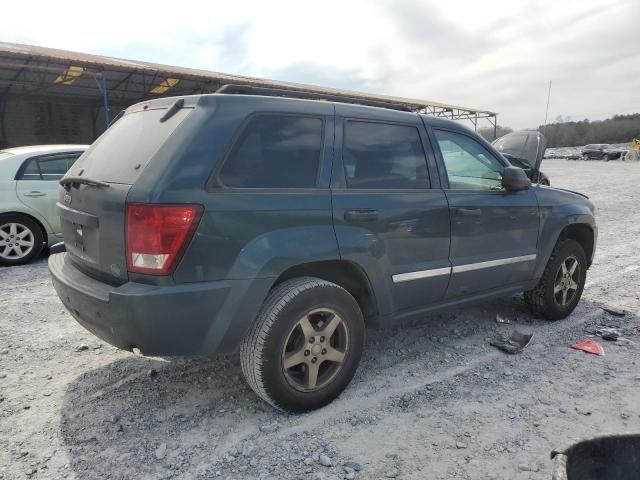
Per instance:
{"type": "Point", "coordinates": [590, 346]}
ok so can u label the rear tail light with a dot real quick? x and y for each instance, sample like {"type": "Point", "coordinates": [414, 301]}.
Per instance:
{"type": "Point", "coordinates": [157, 235]}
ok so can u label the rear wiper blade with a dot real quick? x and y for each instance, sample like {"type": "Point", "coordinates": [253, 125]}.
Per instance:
{"type": "Point", "coordinates": [67, 182]}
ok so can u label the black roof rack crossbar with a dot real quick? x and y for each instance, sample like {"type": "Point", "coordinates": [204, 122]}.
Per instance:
{"type": "Point", "coordinates": [281, 92]}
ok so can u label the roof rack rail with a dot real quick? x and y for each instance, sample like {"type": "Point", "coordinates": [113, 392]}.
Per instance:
{"type": "Point", "coordinates": [234, 89]}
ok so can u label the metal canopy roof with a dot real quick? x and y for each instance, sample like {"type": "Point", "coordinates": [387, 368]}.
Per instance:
{"type": "Point", "coordinates": [27, 70]}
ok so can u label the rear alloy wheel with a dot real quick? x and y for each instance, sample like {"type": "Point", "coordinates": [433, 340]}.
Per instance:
{"type": "Point", "coordinates": [21, 240]}
{"type": "Point", "coordinates": [560, 288]}
{"type": "Point", "coordinates": [314, 350]}
{"type": "Point", "coordinates": [304, 346]}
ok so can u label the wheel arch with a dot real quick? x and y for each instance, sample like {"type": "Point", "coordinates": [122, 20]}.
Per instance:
{"type": "Point", "coordinates": [346, 274]}
{"type": "Point", "coordinates": [583, 234]}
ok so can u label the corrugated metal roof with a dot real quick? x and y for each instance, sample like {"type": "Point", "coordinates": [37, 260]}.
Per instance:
{"type": "Point", "coordinates": [132, 80]}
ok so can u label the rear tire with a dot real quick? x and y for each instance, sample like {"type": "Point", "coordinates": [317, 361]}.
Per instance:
{"type": "Point", "coordinates": [285, 357]}
{"type": "Point", "coordinates": [606, 158]}
{"type": "Point", "coordinates": [560, 288]}
{"type": "Point", "coordinates": [21, 239]}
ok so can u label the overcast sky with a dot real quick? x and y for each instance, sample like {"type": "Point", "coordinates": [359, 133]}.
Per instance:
{"type": "Point", "coordinates": [486, 54]}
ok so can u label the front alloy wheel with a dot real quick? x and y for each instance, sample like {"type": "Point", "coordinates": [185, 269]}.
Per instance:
{"type": "Point", "coordinates": [566, 283]}
{"type": "Point", "coordinates": [560, 287]}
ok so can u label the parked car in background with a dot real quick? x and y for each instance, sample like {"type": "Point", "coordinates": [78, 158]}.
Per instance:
{"type": "Point", "coordinates": [525, 149]}
{"type": "Point", "coordinates": [282, 227]}
{"type": "Point", "coordinates": [601, 151]}
{"type": "Point", "coordinates": [28, 194]}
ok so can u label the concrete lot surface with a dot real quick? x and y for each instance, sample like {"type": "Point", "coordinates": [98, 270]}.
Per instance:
{"type": "Point", "coordinates": [430, 401]}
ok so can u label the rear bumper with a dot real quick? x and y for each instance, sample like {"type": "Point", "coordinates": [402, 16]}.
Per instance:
{"type": "Point", "coordinates": [201, 318]}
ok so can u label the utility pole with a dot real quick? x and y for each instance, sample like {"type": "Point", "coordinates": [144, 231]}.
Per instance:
{"type": "Point", "coordinates": [546, 113]}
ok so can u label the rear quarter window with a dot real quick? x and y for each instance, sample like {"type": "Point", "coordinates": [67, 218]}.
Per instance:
{"type": "Point", "coordinates": [274, 151]}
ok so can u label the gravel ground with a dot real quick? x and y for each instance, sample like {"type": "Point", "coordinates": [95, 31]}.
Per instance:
{"type": "Point", "coordinates": [432, 400]}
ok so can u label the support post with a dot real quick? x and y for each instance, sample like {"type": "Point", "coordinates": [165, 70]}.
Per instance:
{"type": "Point", "coordinates": [101, 81]}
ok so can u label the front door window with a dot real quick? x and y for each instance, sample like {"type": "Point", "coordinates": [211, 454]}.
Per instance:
{"type": "Point", "coordinates": [470, 166]}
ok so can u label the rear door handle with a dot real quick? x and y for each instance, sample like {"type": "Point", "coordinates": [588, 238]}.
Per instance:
{"type": "Point", "coordinates": [361, 215]}
{"type": "Point", "coordinates": [35, 193]}
{"type": "Point", "coordinates": [468, 212]}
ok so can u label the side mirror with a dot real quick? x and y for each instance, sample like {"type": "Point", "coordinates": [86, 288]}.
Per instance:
{"type": "Point", "coordinates": [515, 179]}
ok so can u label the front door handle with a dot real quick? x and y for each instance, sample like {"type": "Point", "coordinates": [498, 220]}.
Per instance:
{"type": "Point", "coordinates": [361, 215]}
{"type": "Point", "coordinates": [35, 193]}
{"type": "Point", "coordinates": [468, 212]}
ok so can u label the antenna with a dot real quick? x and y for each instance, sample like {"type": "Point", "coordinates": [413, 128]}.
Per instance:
{"type": "Point", "coordinates": [546, 113]}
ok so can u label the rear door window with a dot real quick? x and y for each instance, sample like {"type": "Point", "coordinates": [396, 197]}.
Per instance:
{"type": "Point", "coordinates": [49, 167]}
{"type": "Point", "coordinates": [384, 156]}
{"type": "Point", "coordinates": [275, 151]}
{"type": "Point", "coordinates": [55, 168]}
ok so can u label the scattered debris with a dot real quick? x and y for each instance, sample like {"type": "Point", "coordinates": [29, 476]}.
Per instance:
{"type": "Point", "coordinates": [513, 344]}
{"type": "Point", "coordinates": [502, 320]}
{"type": "Point", "coordinates": [269, 427]}
{"type": "Point", "coordinates": [82, 347]}
{"type": "Point", "coordinates": [608, 333]}
{"type": "Point", "coordinates": [589, 345]}
{"type": "Point", "coordinates": [353, 465]}
{"type": "Point", "coordinates": [392, 473]}
{"type": "Point", "coordinates": [325, 460]}
{"type": "Point", "coordinates": [616, 312]}
{"type": "Point", "coordinates": [161, 451]}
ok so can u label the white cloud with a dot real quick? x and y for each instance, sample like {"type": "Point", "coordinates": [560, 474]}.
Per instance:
{"type": "Point", "coordinates": [491, 55]}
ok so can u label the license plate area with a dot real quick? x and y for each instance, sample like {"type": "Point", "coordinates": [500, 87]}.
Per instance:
{"type": "Point", "coordinates": [80, 231]}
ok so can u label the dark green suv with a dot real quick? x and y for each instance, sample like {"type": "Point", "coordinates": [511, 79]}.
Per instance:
{"type": "Point", "coordinates": [283, 227]}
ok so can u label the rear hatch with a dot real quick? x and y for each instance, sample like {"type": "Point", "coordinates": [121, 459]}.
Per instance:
{"type": "Point", "coordinates": [92, 198]}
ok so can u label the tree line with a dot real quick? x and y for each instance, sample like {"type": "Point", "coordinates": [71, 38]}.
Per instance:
{"type": "Point", "coordinates": [562, 133]}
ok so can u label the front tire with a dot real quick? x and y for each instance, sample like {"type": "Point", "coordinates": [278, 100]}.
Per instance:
{"type": "Point", "coordinates": [560, 288]}
{"type": "Point", "coordinates": [304, 345]}
{"type": "Point", "coordinates": [606, 158]}
{"type": "Point", "coordinates": [21, 239]}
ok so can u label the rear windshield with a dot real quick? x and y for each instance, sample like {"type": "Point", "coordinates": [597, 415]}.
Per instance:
{"type": "Point", "coordinates": [122, 152]}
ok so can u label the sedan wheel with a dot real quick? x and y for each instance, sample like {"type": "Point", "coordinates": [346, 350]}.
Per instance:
{"type": "Point", "coordinates": [21, 239]}
{"type": "Point", "coordinates": [16, 241]}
